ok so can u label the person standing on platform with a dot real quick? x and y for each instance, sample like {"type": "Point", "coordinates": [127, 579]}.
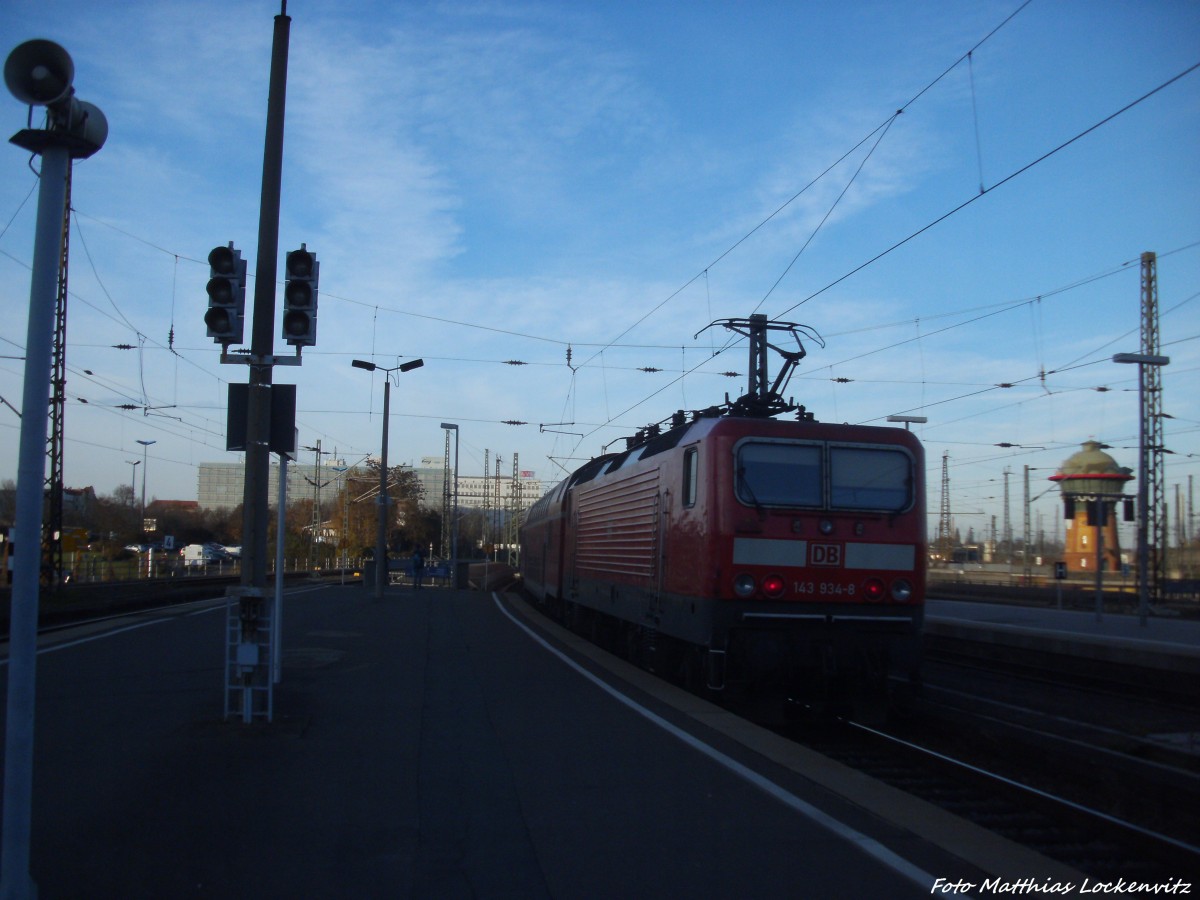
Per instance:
{"type": "Point", "coordinates": [418, 568]}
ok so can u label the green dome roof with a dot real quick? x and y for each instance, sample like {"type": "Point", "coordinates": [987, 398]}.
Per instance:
{"type": "Point", "coordinates": [1092, 471]}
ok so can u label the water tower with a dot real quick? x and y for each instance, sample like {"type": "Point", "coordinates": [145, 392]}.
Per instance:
{"type": "Point", "coordinates": [1091, 483]}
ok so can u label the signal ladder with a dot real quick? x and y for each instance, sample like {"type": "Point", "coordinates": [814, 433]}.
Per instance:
{"type": "Point", "coordinates": [249, 686]}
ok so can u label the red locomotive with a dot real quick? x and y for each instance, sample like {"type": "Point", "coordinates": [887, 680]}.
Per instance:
{"type": "Point", "coordinates": [745, 548]}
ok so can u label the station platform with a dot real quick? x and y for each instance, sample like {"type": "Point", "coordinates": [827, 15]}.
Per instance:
{"type": "Point", "coordinates": [444, 743]}
{"type": "Point", "coordinates": [1169, 644]}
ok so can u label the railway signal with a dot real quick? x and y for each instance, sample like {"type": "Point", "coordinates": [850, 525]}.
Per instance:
{"type": "Point", "coordinates": [300, 297]}
{"type": "Point", "coordinates": [226, 295]}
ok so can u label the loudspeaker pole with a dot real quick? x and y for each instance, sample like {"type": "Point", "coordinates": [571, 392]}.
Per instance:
{"type": "Point", "coordinates": [35, 408]}
{"type": "Point", "coordinates": [37, 73]}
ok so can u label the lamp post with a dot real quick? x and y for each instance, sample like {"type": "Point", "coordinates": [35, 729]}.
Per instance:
{"type": "Point", "coordinates": [145, 448]}
{"type": "Point", "coordinates": [381, 573]}
{"type": "Point", "coordinates": [448, 426]}
{"type": "Point", "coordinates": [1143, 514]}
{"type": "Point", "coordinates": [133, 464]}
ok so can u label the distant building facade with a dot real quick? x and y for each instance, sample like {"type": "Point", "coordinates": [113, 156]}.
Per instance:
{"type": "Point", "coordinates": [222, 485]}
{"type": "Point", "coordinates": [478, 491]}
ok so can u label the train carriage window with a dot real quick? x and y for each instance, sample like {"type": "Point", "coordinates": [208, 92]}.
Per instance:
{"type": "Point", "coordinates": [691, 471]}
{"type": "Point", "coordinates": [869, 478]}
{"type": "Point", "coordinates": [778, 474]}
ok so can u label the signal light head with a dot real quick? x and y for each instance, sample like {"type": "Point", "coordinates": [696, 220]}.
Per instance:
{"type": "Point", "coordinates": [299, 264]}
{"type": "Point", "coordinates": [222, 260]}
{"type": "Point", "coordinates": [221, 290]}
{"type": "Point", "coordinates": [298, 294]}
{"type": "Point", "coordinates": [300, 297]}
{"type": "Point", "coordinates": [226, 288]}
{"type": "Point", "coordinates": [296, 325]}
{"type": "Point", "coordinates": [218, 320]}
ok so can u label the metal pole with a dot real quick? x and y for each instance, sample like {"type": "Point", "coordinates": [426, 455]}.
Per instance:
{"type": "Point", "coordinates": [253, 583]}
{"type": "Point", "coordinates": [454, 532]}
{"type": "Point", "coordinates": [454, 512]}
{"type": "Point", "coordinates": [1099, 501]}
{"type": "Point", "coordinates": [341, 561]}
{"type": "Point", "coordinates": [277, 618]}
{"type": "Point", "coordinates": [1143, 514]}
{"type": "Point", "coordinates": [262, 348]}
{"type": "Point", "coordinates": [15, 880]}
{"type": "Point", "coordinates": [381, 567]}
{"type": "Point", "coordinates": [145, 468]}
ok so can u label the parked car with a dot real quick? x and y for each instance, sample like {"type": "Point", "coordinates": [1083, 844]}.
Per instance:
{"type": "Point", "coordinates": [200, 554]}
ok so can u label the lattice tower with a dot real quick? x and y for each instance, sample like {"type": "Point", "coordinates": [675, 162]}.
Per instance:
{"type": "Point", "coordinates": [446, 499]}
{"type": "Point", "coordinates": [485, 528]}
{"type": "Point", "coordinates": [1026, 562]}
{"type": "Point", "coordinates": [1152, 428]}
{"type": "Point", "coordinates": [944, 537]}
{"type": "Point", "coordinates": [315, 527]}
{"type": "Point", "coordinates": [52, 527]}
{"type": "Point", "coordinates": [497, 511]}
{"type": "Point", "coordinates": [1008, 532]}
{"type": "Point", "coordinates": [514, 514]}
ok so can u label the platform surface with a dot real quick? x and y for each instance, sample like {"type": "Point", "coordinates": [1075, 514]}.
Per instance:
{"type": "Point", "coordinates": [433, 744]}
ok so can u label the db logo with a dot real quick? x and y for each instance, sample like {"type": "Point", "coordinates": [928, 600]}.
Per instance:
{"type": "Point", "coordinates": [824, 554]}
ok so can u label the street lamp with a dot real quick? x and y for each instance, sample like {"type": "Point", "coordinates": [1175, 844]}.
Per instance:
{"type": "Point", "coordinates": [341, 470]}
{"type": "Point", "coordinates": [1143, 514]}
{"type": "Point", "coordinates": [909, 421]}
{"type": "Point", "coordinates": [381, 574]}
{"type": "Point", "coordinates": [448, 426]}
{"type": "Point", "coordinates": [145, 447]}
{"type": "Point", "coordinates": [133, 464]}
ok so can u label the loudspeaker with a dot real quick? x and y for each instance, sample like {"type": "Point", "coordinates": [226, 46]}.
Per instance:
{"type": "Point", "coordinates": [39, 73]}
{"type": "Point", "coordinates": [89, 123]}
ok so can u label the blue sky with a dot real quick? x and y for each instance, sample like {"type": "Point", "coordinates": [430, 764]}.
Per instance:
{"type": "Point", "coordinates": [486, 182]}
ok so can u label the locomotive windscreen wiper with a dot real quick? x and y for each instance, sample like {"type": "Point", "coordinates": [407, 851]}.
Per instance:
{"type": "Point", "coordinates": [743, 482]}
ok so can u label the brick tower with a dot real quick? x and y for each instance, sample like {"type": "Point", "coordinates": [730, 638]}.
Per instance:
{"type": "Point", "coordinates": [1091, 483]}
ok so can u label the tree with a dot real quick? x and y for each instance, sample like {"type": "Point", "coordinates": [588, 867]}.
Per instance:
{"type": "Point", "coordinates": [355, 517]}
{"type": "Point", "coordinates": [8, 501]}
{"type": "Point", "coordinates": [123, 494]}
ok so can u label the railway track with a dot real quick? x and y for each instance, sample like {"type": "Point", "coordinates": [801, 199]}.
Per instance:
{"type": "Point", "coordinates": [1090, 800]}
{"type": "Point", "coordinates": [98, 600]}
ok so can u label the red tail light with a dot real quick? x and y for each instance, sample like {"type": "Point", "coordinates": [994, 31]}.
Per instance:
{"type": "Point", "coordinates": [873, 589]}
{"type": "Point", "coordinates": [773, 586]}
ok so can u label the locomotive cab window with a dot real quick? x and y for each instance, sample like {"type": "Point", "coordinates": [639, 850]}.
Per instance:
{"type": "Point", "coordinates": [690, 476]}
{"type": "Point", "coordinates": [778, 474]}
{"type": "Point", "coordinates": [869, 478]}
{"type": "Point", "coordinates": [823, 476]}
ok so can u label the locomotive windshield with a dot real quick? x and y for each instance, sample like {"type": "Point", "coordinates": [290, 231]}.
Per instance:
{"type": "Point", "coordinates": [869, 478]}
{"type": "Point", "coordinates": [779, 474]}
{"type": "Point", "coordinates": [823, 476]}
